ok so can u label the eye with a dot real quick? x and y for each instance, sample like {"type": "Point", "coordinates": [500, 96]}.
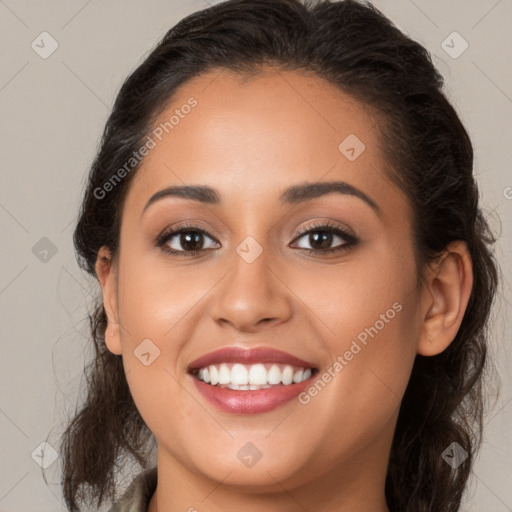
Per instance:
{"type": "Point", "coordinates": [190, 240]}
{"type": "Point", "coordinates": [327, 233]}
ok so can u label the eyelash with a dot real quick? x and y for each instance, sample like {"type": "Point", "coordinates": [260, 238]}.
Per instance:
{"type": "Point", "coordinates": [324, 227]}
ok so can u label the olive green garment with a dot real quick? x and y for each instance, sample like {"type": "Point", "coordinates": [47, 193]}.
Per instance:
{"type": "Point", "coordinates": [138, 495]}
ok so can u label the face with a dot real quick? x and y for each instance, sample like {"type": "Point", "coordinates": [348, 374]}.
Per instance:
{"type": "Point", "coordinates": [342, 296]}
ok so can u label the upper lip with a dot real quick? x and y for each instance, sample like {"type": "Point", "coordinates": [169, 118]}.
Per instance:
{"type": "Point", "coordinates": [243, 355]}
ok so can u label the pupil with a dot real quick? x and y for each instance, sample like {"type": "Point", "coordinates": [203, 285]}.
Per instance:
{"type": "Point", "coordinates": [326, 239]}
{"type": "Point", "coordinates": [193, 237]}
{"type": "Point", "coordinates": [189, 245]}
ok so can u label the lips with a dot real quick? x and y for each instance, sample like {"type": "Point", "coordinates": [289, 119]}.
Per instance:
{"type": "Point", "coordinates": [248, 356]}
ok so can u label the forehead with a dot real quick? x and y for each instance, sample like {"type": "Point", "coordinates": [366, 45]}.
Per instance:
{"type": "Point", "coordinates": [249, 135]}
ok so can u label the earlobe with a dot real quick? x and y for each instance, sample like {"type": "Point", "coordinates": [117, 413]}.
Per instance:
{"type": "Point", "coordinates": [445, 298]}
{"type": "Point", "coordinates": [106, 273]}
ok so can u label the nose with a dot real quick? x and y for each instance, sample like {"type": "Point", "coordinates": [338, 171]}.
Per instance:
{"type": "Point", "coordinates": [251, 297]}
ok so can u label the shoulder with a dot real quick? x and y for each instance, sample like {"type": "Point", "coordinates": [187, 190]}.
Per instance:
{"type": "Point", "coordinates": [138, 495]}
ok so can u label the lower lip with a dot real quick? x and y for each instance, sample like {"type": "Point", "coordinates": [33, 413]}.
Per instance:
{"type": "Point", "coordinates": [247, 401]}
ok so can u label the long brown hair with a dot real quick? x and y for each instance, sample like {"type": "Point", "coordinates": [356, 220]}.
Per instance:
{"type": "Point", "coordinates": [358, 49]}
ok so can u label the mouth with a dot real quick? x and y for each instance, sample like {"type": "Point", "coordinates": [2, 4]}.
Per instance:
{"type": "Point", "coordinates": [252, 369]}
{"type": "Point", "coordinates": [244, 377]}
{"type": "Point", "coordinates": [239, 380]}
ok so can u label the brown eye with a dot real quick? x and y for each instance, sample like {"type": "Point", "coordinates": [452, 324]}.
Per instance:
{"type": "Point", "coordinates": [188, 240]}
{"type": "Point", "coordinates": [322, 236]}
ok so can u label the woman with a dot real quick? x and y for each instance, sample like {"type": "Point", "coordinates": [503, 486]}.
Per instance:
{"type": "Point", "coordinates": [296, 274]}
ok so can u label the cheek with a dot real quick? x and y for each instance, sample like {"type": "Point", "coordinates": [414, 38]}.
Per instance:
{"type": "Point", "coordinates": [368, 318]}
{"type": "Point", "coordinates": [153, 296]}
{"type": "Point", "coordinates": [154, 393]}
{"type": "Point", "coordinates": [347, 298]}
{"type": "Point", "coordinates": [156, 309]}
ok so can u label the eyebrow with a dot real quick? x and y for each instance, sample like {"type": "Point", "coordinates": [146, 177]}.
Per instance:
{"type": "Point", "coordinates": [293, 195]}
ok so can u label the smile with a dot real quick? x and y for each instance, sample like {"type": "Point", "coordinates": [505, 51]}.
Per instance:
{"type": "Point", "coordinates": [227, 396]}
{"type": "Point", "coordinates": [252, 377]}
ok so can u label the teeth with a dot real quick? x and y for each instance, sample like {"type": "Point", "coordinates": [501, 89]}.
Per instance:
{"type": "Point", "coordinates": [239, 375]}
{"type": "Point", "coordinates": [249, 386]}
{"type": "Point", "coordinates": [252, 377]}
{"type": "Point", "coordinates": [224, 375]}
{"type": "Point", "coordinates": [214, 375]}
{"type": "Point", "coordinates": [257, 374]}
{"type": "Point", "coordinates": [274, 375]}
{"type": "Point", "coordinates": [298, 376]}
{"type": "Point", "coordinates": [287, 376]}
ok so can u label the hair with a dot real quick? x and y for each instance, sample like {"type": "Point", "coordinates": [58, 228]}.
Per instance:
{"type": "Point", "coordinates": [430, 158]}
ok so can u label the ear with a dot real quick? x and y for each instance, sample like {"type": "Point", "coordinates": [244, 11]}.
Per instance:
{"type": "Point", "coordinates": [106, 272]}
{"type": "Point", "coordinates": [445, 298]}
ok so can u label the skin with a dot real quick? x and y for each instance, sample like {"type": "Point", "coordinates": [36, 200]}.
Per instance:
{"type": "Point", "coordinates": [250, 140]}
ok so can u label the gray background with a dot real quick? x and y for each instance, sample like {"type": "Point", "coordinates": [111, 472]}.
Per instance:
{"type": "Point", "coordinates": [52, 114]}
